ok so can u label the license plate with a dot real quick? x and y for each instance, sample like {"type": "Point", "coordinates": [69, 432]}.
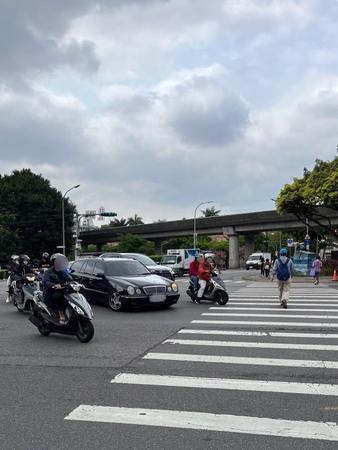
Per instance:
{"type": "Point", "coordinates": [156, 298]}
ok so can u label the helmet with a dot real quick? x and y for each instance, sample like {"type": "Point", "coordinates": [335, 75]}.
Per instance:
{"type": "Point", "coordinates": [283, 252]}
{"type": "Point", "coordinates": [14, 257]}
{"type": "Point", "coordinates": [59, 261]}
{"type": "Point", "coordinates": [45, 255]}
{"type": "Point", "coordinates": [24, 259]}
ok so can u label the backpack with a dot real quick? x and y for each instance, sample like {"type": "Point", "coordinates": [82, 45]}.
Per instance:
{"type": "Point", "coordinates": [283, 272]}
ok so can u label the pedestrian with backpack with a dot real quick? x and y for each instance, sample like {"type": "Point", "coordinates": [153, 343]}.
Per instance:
{"type": "Point", "coordinates": [283, 270]}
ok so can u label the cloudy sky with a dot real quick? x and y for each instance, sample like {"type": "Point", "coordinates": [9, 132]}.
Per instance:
{"type": "Point", "coordinates": [156, 105]}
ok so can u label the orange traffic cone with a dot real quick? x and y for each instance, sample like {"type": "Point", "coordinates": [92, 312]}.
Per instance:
{"type": "Point", "coordinates": [334, 276]}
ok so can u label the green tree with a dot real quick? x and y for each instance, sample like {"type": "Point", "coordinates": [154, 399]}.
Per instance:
{"type": "Point", "coordinates": [119, 222]}
{"type": "Point", "coordinates": [135, 220]}
{"type": "Point", "coordinates": [211, 212]}
{"type": "Point", "coordinates": [129, 243]}
{"type": "Point", "coordinates": [304, 196]}
{"type": "Point", "coordinates": [30, 215]}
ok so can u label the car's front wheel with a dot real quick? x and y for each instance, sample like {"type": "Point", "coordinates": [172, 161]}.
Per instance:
{"type": "Point", "coordinates": [114, 302]}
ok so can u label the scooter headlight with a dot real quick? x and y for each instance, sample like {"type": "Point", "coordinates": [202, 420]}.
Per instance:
{"type": "Point", "coordinates": [77, 309]}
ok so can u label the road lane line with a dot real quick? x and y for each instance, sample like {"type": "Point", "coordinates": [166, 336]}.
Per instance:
{"type": "Point", "coordinates": [279, 311]}
{"type": "Point", "coordinates": [227, 384]}
{"type": "Point", "coordinates": [206, 421]}
{"type": "Point", "coordinates": [271, 324]}
{"type": "Point", "coordinates": [260, 333]}
{"type": "Point", "coordinates": [242, 360]}
{"type": "Point", "coordinates": [241, 344]}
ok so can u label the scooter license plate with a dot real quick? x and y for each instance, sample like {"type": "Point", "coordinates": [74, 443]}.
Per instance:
{"type": "Point", "coordinates": [157, 298]}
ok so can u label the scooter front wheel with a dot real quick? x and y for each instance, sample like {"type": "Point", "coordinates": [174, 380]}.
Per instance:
{"type": "Point", "coordinates": [85, 331]}
{"type": "Point", "coordinates": [44, 330]}
{"type": "Point", "coordinates": [221, 297]}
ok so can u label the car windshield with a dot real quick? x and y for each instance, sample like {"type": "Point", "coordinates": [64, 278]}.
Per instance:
{"type": "Point", "coordinates": [168, 260]}
{"type": "Point", "coordinates": [143, 259]}
{"type": "Point", "coordinates": [254, 258]}
{"type": "Point", "coordinates": [125, 268]}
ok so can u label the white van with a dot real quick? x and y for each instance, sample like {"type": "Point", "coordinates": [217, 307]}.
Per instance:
{"type": "Point", "coordinates": [254, 260]}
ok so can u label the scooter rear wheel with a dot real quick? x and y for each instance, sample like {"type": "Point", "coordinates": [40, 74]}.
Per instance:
{"type": "Point", "coordinates": [221, 297]}
{"type": "Point", "coordinates": [85, 331]}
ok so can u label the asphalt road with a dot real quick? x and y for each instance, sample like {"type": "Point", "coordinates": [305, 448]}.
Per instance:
{"type": "Point", "coordinates": [161, 360]}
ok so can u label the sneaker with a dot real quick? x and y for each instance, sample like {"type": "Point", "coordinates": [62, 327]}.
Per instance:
{"type": "Point", "coordinates": [284, 304]}
{"type": "Point", "coordinates": [198, 300]}
{"type": "Point", "coordinates": [8, 300]}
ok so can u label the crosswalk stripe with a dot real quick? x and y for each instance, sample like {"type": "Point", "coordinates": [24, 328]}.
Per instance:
{"type": "Point", "coordinates": [260, 333]}
{"type": "Point", "coordinates": [242, 360]}
{"type": "Point", "coordinates": [271, 324]}
{"type": "Point", "coordinates": [227, 384]}
{"type": "Point", "coordinates": [242, 344]}
{"type": "Point", "coordinates": [293, 302]}
{"type": "Point", "coordinates": [277, 307]}
{"type": "Point", "coordinates": [279, 314]}
{"type": "Point", "coordinates": [206, 421]}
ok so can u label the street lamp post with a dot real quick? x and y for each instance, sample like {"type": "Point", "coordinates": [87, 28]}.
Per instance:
{"type": "Point", "coordinates": [200, 204]}
{"type": "Point", "coordinates": [63, 218]}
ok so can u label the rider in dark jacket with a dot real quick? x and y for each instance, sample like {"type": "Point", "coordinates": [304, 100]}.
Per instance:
{"type": "Point", "coordinates": [53, 281]}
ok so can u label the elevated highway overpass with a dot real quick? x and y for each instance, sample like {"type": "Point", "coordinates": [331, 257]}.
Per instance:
{"type": "Point", "coordinates": [247, 224]}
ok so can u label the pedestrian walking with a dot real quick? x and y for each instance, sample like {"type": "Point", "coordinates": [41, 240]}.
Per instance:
{"type": "Point", "coordinates": [262, 266]}
{"type": "Point", "coordinates": [316, 266]}
{"type": "Point", "coordinates": [267, 268]}
{"type": "Point", "coordinates": [283, 270]}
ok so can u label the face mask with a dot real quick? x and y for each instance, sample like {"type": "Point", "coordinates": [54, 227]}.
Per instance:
{"type": "Point", "coordinates": [283, 259]}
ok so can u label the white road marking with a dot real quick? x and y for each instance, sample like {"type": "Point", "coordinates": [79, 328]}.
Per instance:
{"type": "Point", "coordinates": [243, 360]}
{"type": "Point", "coordinates": [242, 344]}
{"type": "Point", "coordinates": [277, 308]}
{"type": "Point", "coordinates": [260, 333]}
{"type": "Point", "coordinates": [271, 324]}
{"type": "Point", "coordinates": [276, 301]}
{"type": "Point", "coordinates": [279, 311]}
{"type": "Point", "coordinates": [227, 384]}
{"type": "Point", "coordinates": [206, 421]}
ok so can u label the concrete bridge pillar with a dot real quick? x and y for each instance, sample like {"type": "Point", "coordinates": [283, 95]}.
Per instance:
{"type": "Point", "coordinates": [233, 247]}
{"type": "Point", "coordinates": [249, 245]}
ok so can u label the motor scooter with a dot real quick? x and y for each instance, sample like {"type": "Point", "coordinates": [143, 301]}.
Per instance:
{"type": "Point", "coordinates": [23, 290]}
{"type": "Point", "coordinates": [215, 290]}
{"type": "Point", "coordinates": [78, 314]}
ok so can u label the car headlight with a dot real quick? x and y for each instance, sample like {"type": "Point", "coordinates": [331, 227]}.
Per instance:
{"type": "Point", "coordinates": [169, 288]}
{"type": "Point", "coordinates": [174, 287]}
{"type": "Point", "coordinates": [131, 290]}
{"type": "Point", "coordinates": [138, 291]}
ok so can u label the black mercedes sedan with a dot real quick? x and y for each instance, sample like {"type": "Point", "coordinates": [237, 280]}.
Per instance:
{"type": "Point", "coordinates": [123, 283]}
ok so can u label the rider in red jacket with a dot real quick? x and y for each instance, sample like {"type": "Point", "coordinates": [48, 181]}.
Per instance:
{"type": "Point", "coordinates": [204, 275]}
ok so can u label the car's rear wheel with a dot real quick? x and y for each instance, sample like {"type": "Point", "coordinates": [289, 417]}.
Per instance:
{"type": "Point", "coordinates": [114, 302]}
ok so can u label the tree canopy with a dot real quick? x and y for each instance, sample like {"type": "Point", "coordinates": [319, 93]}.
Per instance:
{"type": "Point", "coordinates": [211, 212]}
{"type": "Point", "coordinates": [30, 215]}
{"type": "Point", "coordinates": [135, 220]}
{"type": "Point", "coordinates": [318, 188]}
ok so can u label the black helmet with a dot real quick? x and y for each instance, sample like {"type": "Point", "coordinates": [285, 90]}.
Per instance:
{"type": "Point", "coordinates": [24, 259]}
{"type": "Point", "coordinates": [45, 255]}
